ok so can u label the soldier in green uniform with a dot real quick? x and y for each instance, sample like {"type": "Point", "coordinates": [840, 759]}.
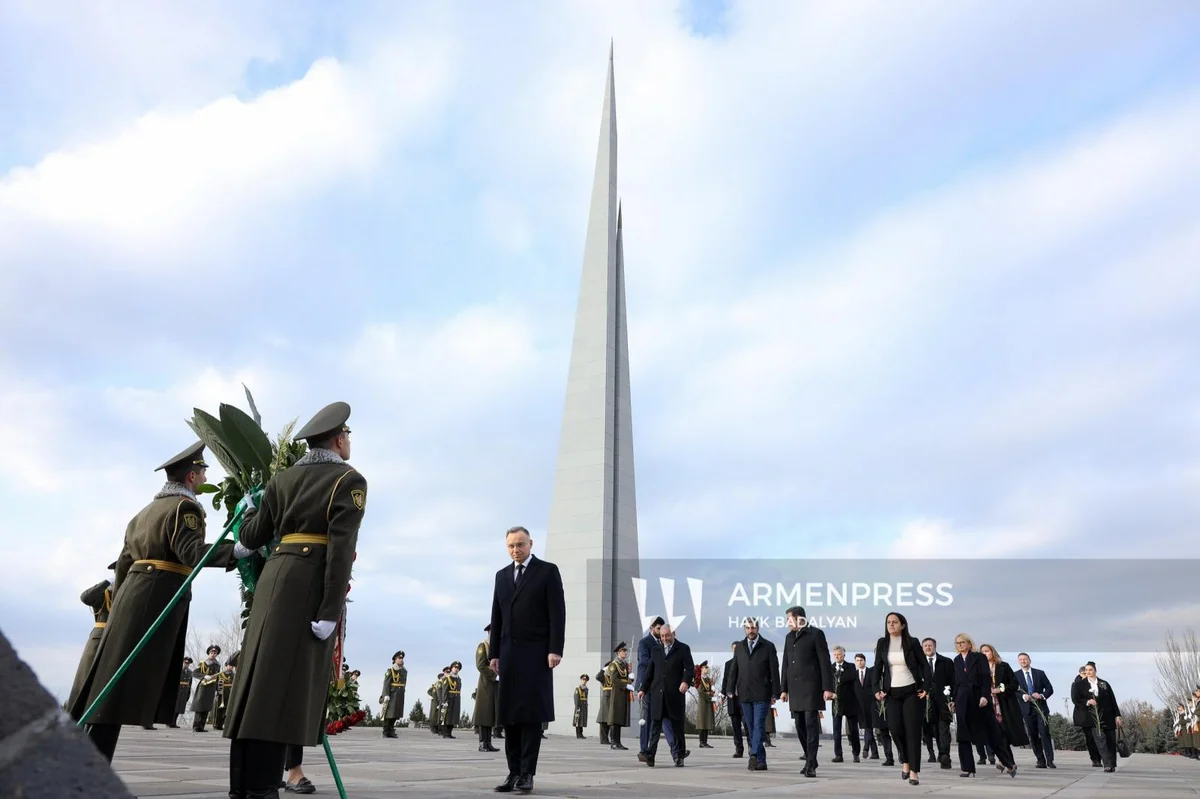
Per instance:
{"type": "Point", "coordinates": [209, 675]}
{"type": "Point", "coordinates": [99, 599]}
{"type": "Point", "coordinates": [185, 690]}
{"type": "Point", "coordinates": [453, 699]}
{"type": "Point", "coordinates": [310, 515]}
{"type": "Point", "coordinates": [618, 698]}
{"type": "Point", "coordinates": [435, 715]}
{"type": "Point", "coordinates": [605, 693]}
{"type": "Point", "coordinates": [163, 543]}
{"type": "Point", "coordinates": [705, 721]}
{"type": "Point", "coordinates": [485, 695]}
{"type": "Point", "coordinates": [391, 696]}
{"type": "Point", "coordinates": [224, 689]}
{"type": "Point", "coordinates": [581, 705]}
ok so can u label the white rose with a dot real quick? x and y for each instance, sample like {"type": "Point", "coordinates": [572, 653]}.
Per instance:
{"type": "Point", "coordinates": [946, 690]}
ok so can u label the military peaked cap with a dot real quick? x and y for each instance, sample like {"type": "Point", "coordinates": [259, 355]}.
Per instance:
{"type": "Point", "coordinates": [329, 420]}
{"type": "Point", "coordinates": [584, 677]}
{"type": "Point", "coordinates": [705, 663]}
{"type": "Point", "coordinates": [487, 629]}
{"type": "Point", "coordinates": [445, 669]}
{"type": "Point", "coordinates": [112, 566]}
{"type": "Point", "coordinates": [192, 457]}
{"type": "Point", "coordinates": [211, 648]}
{"type": "Point", "coordinates": [399, 654]}
{"type": "Point", "coordinates": [457, 663]}
{"type": "Point", "coordinates": [620, 646]}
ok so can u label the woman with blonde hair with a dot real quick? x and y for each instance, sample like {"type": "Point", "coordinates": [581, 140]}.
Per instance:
{"type": "Point", "coordinates": [973, 706]}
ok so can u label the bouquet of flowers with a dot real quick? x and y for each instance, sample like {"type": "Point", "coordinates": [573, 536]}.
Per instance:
{"type": "Point", "coordinates": [344, 723]}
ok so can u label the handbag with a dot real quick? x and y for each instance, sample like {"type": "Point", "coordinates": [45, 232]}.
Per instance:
{"type": "Point", "coordinates": [1122, 744]}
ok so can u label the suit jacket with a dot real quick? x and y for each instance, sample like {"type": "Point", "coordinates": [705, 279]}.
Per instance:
{"type": "Point", "coordinates": [845, 685]}
{"type": "Point", "coordinates": [1039, 684]}
{"type": "Point", "coordinates": [733, 703]}
{"type": "Point", "coordinates": [529, 622]}
{"type": "Point", "coordinates": [914, 658]}
{"type": "Point", "coordinates": [940, 677]}
{"type": "Point", "coordinates": [644, 650]}
{"type": "Point", "coordinates": [662, 677]}
{"type": "Point", "coordinates": [1109, 711]}
{"type": "Point", "coordinates": [756, 676]}
{"type": "Point", "coordinates": [804, 673]}
{"type": "Point", "coordinates": [867, 703]}
{"type": "Point", "coordinates": [972, 682]}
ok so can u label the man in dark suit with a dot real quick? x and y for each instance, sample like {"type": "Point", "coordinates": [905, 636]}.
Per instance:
{"type": "Point", "coordinates": [733, 705]}
{"type": "Point", "coordinates": [1035, 690]}
{"type": "Point", "coordinates": [874, 728]}
{"type": "Point", "coordinates": [665, 682]}
{"type": "Point", "coordinates": [939, 673]}
{"type": "Point", "coordinates": [651, 641]}
{"type": "Point", "coordinates": [755, 672]}
{"type": "Point", "coordinates": [845, 704]}
{"type": "Point", "coordinates": [806, 682]}
{"type": "Point", "coordinates": [528, 626]}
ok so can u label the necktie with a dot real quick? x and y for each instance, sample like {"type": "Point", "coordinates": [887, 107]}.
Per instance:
{"type": "Point", "coordinates": [666, 651]}
{"type": "Point", "coordinates": [862, 680]}
{"type": "Point", "coordinates": [520, 571]}
{"type": "Point", "coordinates": [1029, 681]}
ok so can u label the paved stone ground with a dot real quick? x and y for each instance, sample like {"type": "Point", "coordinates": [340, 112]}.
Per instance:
{"type": "Point", "coordinates": [180, 763]}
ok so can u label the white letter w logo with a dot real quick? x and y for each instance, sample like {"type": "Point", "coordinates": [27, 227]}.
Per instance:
{"type": "Point", "coordinates": [695, 588]}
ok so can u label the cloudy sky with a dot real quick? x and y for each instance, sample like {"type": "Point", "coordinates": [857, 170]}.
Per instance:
{"type": "Point", "coordinates": [910, 281]}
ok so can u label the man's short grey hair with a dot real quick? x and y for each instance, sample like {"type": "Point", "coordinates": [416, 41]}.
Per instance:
{"type": "Point", "coordinates": [840, 648]}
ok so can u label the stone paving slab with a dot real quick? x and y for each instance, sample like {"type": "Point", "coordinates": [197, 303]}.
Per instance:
{"type": "Point", "coordinates": [186, 765]}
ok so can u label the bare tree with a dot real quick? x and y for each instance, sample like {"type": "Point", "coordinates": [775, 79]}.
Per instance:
{"type": "Point", "coordinates": [1178, 668]}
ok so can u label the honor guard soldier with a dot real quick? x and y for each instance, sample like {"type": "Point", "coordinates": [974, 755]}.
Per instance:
{"type": "Point", "coordinates": [605, 691]}
{"type": "Point", "coordinates": [185, 690]}
{"type": "Point", "coordinates": [391, 696]}
{"type": "Point", "coordinates": [224, 689]}
{"type": "Point", "coordinates": [163, 543]}
{"type": "Point", "coordinates": [453, 699]}
{"type": "Point", "coordinates": [618, 699]}
{"type": "Point", "coordinates": [435, 711]}
{"type": "Point", "coordinates": [485, 695]}
{"type": "Point", "coordinates": [310, 514]}
{"type": "Point", "coordinates": [705, 712]}
{"type": "Point", "coordinates": [581, 704]}
{"type": "Point", "coordinates": [99, 599]}
{"type": "Point", "coordinates": [209, 675]}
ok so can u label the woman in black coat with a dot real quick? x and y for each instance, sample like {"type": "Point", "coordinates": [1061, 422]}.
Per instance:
{"type": "Point", "coordinates": [974, 710]}
{"type": "Point", "coordinates": [1005, 690]}
{"type": "Point", "coordinates": [899, 678]}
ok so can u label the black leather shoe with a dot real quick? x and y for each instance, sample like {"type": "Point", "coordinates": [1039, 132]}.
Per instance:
{"type": "Point", "coordinates": [507, 785]}
{"type": "Point", "coordinates": [524, 783]}
{"type": "Point", "coordinates": [752, 763]}
{"type": "Point", "coordinates": [810, 771]}
{"type": "Point", "coordinates": [679, 761]}
{"type": "Point", "coordinates": [837, 759]}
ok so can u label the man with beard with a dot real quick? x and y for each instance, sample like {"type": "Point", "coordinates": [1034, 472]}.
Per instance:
{"type": "Point", "coordinates": [667, 678]}
{"type": "Point", "coordinates": [806, 682]}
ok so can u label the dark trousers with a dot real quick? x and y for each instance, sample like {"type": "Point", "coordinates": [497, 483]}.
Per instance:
{"type": "Point", "coordinates": [1106, 743]}
{"type": "Point", "coordinates": [869, 747]}
{"type": "Point", "coordinates": [293, 757]}
{"type": "Point", "coordinates": [1039, 738]}
{"type": "Point", "coordinates": [255, 765]}
{"type": "Point", "coordinates": [676, 742]}
{"type": "Point", "coordinates": [522, 743]}
{"type": "Point", "coordinates": [219, 718]}
{"type": "Point", "coordinates": [808, 730]}
{"type": "Point", "coordinates": [104, 737]}
{"type": "Point", "coordinates": [1093, 750]}
{"type": "Point", "coordinates": [755, 714]}
{"type": "Point", "coordinates": [199, 719]}
{"type": "Point", "coordinates": [851, 733]}
{"type": "Point", "coordinates": [995, 741]}
{"type": "Point", "coordinates": [667, 728]}
{"type": "Point", "coordinates": [738, 723]}
{"type": "Point", "coordinates": [904, 716]}
{"type": "Point", "coordinates": [938, 728]}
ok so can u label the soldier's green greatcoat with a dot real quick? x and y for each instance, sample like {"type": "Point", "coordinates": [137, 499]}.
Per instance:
{"type": "Point", "coordinates": [284, 670]}
{"type": "Point", "coordinates": [704, 708]}
{"type": "Point", "coordinates": [619, 678]}
{"type": "Point", "coordinates": [581, 706]}
{"type": "Point", "coordinates": [185, 690]}
{"type": "Point", "coordinates": [485, 689]}
{"type": "Point", "coordinates": [453, 701]}
{"type": "Point", "coordinates": [208, 673]}
{"type": "Point", "coordinates": [163, 542]}
{"type": "Point", "coordinates": [99, 599]}
{"type": "Point", "coordinates": [435, 703]}
{"type": "Point", "coordinates": [605, 693]}
{"type": "Point", "coordinates": [394, 681]}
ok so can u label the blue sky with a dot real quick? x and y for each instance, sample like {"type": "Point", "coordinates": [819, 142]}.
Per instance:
{"type": "Point", "coordinates": [900, 284]}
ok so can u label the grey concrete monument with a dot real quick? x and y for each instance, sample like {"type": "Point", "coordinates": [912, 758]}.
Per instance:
{"type": "Point", "coordinates": [592, 532]}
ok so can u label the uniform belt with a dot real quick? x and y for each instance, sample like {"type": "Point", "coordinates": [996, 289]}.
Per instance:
{"type": "Point", "coordinates": [397, 685]}
{"type": "Point", "coordinates": [165, 565]}
{"type": "Point", "coordinates": [101, 624]}
{"type": "Point", "coordinates": [305, 538]}
{"type": "Point", "coordinates": [456, 692]}
{"type": "Point", "coordinates": [188, 683]}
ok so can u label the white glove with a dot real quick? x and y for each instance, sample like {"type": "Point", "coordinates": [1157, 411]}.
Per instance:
{"type": "Point", "coordinates": [323, 629]}
{"type": "Point", "coordinates": [248, 501]}
{"type": "Point", "coordinates": [240, 551]}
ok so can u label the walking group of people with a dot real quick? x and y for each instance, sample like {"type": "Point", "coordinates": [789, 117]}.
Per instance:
{"type": "Point", "coordinates": [309, 516]}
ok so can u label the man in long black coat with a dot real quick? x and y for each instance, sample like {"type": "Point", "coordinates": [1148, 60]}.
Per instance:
{"type": "Point", "coordinates": [755, 672]}
{"type": "Point", "coordinates": [806, 682]}
{"type": "Point", "coordinates": [529, 623]}
{"type": "Point", "coordinates": [733, 705]}
{"type": "Point", "coordinates": [939, 675]}
{"type": "Point", "coordinates": [665, 681]}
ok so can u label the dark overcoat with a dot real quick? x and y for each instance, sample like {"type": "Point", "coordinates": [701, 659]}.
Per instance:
{"type": "Point", "coordinates": [1009, 700]}
{"type": "Point", "coordinates": [451, 696]}
{"type": "Point", "coordinates": [580, 700]}
{"type": "Point", "coordinates": [937, 680]}
{"type": "Point", "coordinates": [661, 680]}
{"type": "Point", "coordinates": [733, 704]}
{"type": "Point", "coordinates": [845, 681]}
{"type": "Point", "coordinates": [485, 688]}
{"type": "Point", "coordinates": [972, 682]}
{"type": "Point", "coordinates": [756, 674]}
{"type": "Point", "coordinates": [394, 682]}
{"type": "Point", "coordinates": [1106, 701]}
{"type": "Point", "coordinates": [804, 669]}
{"type": "Point", "coordinates": [209, 674]}
{"type": "Point", "coordinates": [704, 703]}
{"type": "Point", "coordinates": [163, 543]}
{"type": "Point", "coordinates": [867, 703]}
{"type": "Point", "coordinates": [284, 670]}
{"type": "Point", "coordinates": [529, 623]}
{"type": "Point", "coordinates": [185, 690]}
{"type": "Point", "coordinates": [605, 692]}
{"type": "Point", "coordinates": [99, 599]}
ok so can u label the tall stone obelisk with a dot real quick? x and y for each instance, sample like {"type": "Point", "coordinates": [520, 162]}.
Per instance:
{"type": "Point", "coordinates": [592, 533]}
